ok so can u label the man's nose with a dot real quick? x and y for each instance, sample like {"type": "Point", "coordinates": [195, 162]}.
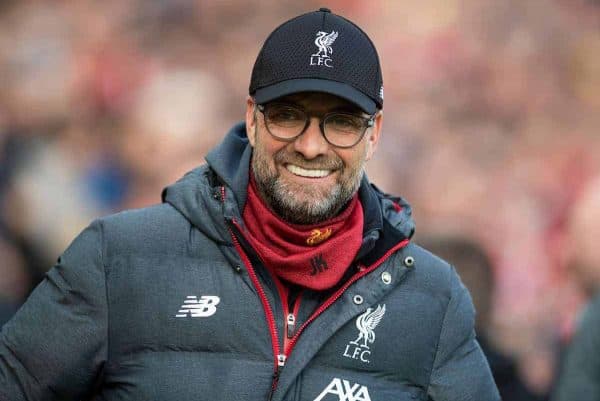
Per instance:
{"type": "Point", "coordinates": [311, 143]}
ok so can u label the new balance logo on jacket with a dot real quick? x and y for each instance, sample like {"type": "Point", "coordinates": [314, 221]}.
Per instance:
{"type": "Point", "coordinates": [344, 391]}
{"type": "Point", "coordinates": [203, 307]}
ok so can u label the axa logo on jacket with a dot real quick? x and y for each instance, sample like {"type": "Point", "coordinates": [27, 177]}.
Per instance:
{"type": "Point", "coordinates": [344, 391]}
{"type": "Point", "coordinates": [203, 307]}
{"type": "Point", "coordinates": [366, 323]}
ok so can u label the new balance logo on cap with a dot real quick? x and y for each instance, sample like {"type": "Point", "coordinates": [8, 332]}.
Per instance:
{"type": "Point", "coordinates": [203, 307]}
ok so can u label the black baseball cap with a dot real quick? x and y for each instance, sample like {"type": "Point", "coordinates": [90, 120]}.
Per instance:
{"type": "Point", "coordinates": [319, 52]}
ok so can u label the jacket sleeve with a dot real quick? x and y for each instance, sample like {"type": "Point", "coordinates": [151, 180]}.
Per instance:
{"type": "Point", "coordinates": [580, 378]}
{"type": "Point", "coordinates": [460, 369]}
{"type": "Point", "coordinates": [55, 345]}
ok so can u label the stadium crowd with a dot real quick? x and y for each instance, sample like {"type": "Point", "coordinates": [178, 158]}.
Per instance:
{"type": "Point", "coordinates": [491, 130]}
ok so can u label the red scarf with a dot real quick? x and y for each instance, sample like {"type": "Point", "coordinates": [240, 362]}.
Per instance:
{"type": "Point", "coordinates": [312, 256]}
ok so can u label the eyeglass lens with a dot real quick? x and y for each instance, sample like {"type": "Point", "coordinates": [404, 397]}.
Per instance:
{"type": "Point", "coordinates": [340, 129]}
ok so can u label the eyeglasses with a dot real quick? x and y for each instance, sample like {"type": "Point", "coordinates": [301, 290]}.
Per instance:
{"type": "Point", "coordinates": [286, 122]}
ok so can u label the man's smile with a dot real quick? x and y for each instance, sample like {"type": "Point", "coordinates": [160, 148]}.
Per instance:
{"type": "Point", "coordinates": [309, 173]}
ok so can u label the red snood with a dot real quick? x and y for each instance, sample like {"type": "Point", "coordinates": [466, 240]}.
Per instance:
{"type": "Point", "coordinates": [312, 256]}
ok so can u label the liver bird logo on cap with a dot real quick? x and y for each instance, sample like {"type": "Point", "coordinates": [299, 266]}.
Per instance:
{"type": "Point", "coordinates": [324, 41]}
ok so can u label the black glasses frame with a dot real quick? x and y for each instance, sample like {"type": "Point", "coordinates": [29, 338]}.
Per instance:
{"type": "Point", "coordinates": [367, 123]}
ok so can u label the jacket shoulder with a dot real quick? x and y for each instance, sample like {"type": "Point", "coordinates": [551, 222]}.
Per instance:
{"type": "Point", "coordinates": [153, 229]}
{"type": "Point", "coordinates": [432, 274]}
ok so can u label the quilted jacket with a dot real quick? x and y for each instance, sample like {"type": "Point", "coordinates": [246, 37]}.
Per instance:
{"type": "Point", "coordinates": [170, 302]}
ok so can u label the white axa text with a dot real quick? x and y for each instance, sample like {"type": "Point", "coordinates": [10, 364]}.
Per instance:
{"type": "Point", "coordinates": [345, 391]}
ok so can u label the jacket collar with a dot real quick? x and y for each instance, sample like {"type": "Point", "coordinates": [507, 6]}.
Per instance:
{"type": "Point", "coordinates": [230, 160]}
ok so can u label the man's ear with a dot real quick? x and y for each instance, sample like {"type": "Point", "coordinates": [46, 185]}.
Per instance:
{"type": "Point", "coordinates": [373, 135]}
{"type": "Point", "coordinates": [251, 120]}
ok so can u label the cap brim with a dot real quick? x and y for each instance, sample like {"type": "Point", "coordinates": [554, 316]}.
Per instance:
{"type": "Point", "coordinates": [289, 87]}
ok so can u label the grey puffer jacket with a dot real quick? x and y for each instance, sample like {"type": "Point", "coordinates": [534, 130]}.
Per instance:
{"type": "Point", "coordinates": [170, 303]}
{"type": "Point", "coordinates": [580, 375]}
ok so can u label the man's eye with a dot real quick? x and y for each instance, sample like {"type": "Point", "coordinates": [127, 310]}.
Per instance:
{"type": "Point", "coordinates": [343, 122]}
{"type": "Point", "coordinates": [285, 115]}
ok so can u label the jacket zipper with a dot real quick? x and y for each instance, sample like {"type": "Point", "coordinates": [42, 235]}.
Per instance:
{"type": "Point", "coordinates": [290, 315]}
{"type": "Point", "coordinates": [280, 358]}
{"type": "Point", "coordinates": [292, 318]}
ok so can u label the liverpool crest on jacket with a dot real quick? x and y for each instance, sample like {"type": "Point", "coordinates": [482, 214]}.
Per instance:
{"type": "Point", "coordinates": [366, 323]}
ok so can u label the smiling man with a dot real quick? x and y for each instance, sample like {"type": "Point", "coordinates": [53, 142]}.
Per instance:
{"type": "Point", "coordinates": [276, 271]}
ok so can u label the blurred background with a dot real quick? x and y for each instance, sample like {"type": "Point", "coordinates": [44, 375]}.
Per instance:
{"type": "Point", "coordinates": [490, 132]}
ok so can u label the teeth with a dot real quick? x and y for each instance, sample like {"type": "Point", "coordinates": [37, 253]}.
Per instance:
{"type": "Point", "coordinates": [307, 173]}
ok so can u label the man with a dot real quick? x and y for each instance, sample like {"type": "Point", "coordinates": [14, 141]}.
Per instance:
{"type": "Point", "coordinates": [580, 371]}
{"type": "Point", "coordinates": [276, 271]}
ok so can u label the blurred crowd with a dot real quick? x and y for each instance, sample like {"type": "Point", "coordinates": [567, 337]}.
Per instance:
{"type": "Point", "coordinates": [490, 131]}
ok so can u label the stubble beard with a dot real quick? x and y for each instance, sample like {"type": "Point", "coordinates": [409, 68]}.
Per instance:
{"type": "Point", "coordinates": [303, 204]}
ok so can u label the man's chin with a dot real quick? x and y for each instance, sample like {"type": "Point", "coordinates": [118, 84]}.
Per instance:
{"type": "Point", "coordinates": [303, 208]}
{"type": "Point", "coordinates": [302, 217]}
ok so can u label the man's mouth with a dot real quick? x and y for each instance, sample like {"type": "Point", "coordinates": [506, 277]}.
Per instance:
{"type": "Point", "coordinates": [310, 173]}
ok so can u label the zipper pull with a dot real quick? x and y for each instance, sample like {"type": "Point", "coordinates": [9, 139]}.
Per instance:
{"type": "Point", "coordinates": [291, 323]}
{"type": "Point", "coordinates": [280, 363]}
